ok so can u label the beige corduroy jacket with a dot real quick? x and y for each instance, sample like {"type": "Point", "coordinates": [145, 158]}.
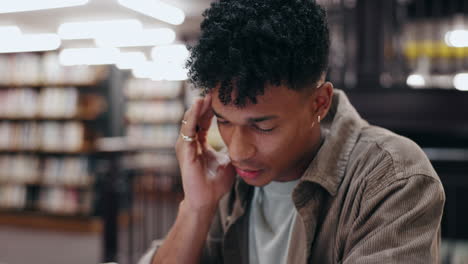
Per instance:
{"type": "Point", "coordinates": [368, 196]}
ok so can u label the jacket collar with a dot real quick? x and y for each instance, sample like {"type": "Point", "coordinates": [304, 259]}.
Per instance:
{"type": "Point", "coordinates": [340, 130]}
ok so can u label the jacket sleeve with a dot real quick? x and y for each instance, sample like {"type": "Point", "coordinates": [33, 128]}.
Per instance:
{"type": "Point", "coordinates": [212, 252]}
{"type": "Point", "coordinates": [148, 256]}
{"type": "Point", "coordinates": [399, 223]}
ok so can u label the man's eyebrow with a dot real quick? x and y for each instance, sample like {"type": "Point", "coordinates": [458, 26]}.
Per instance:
{"type": "Point", "coordinates": [217, 115]}
{"type": "Point", "coordinates": [252, 119]}
{"type": "Point", "coordinates": [262, 118]}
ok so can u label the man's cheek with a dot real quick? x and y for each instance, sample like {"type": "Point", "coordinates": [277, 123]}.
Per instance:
{"type": "Point", "coordinates": [223, 135]}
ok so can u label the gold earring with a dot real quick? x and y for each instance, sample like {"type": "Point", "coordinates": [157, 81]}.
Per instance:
{"type": "Point", "coordinates": [318, 119]}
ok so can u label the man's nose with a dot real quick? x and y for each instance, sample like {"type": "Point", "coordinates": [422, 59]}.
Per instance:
{"type": "Point", "coordinates": [240, 146]}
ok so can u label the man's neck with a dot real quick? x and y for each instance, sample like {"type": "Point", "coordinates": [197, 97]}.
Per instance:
{"type": "Point", "coordinates": [304, 162]}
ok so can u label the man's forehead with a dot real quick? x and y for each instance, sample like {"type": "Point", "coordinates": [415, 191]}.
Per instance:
{"type": "Point", "coordinates": [275, 101]}
{"type": "Point", "coordinates": [272, 95]}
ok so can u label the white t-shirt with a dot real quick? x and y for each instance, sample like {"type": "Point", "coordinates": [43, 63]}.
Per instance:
{"type": "Point", "coordinates": [271, 219]}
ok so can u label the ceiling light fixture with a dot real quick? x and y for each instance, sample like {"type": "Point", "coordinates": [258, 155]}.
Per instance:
{"type": "Point", "coordinates": [176, 74]}
{"type": "Point", "coordinates": [457, 38]}
{"type": "Point", "coordinates": [29, 43]}
{"type": "Point", "coordinates": [28, 5]}
{"type": "Point", "coordinates": [160, 71]}
{"type": "Point", "coordinates": [460, 81]}
{"type": "Point", "coordinates": [145, 70]}
{"type": "Point", "coordinates": [416, 81]}
{"type": "Point", "coordinates": [147, 37]}
{"type": "Point", "coordinates": [177, 53]}
{"type": "Point", "coordinates": [89, 56]}
{"type": "Point", "coordinates": [156, 9]}
{"type": "Point", "coordinates": [95, 29]}
{"type": "Point", "coordinates": [10, 31]}
{"type": "Point", "coordinates": [130, 60]}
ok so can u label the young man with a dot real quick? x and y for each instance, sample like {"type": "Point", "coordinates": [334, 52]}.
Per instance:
{"type": "Point", "coordinates": [309, 181]}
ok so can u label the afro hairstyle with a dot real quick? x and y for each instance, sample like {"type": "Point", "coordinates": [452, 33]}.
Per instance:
{"type": "Point", "coordinates": [246, 44]}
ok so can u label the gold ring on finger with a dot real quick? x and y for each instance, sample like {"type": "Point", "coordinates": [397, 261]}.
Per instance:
{"type": "Point", "coordinates": [187, 138]}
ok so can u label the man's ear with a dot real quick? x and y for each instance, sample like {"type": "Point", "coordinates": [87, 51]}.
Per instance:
{"type": "Point", "coordinates": [323, 97]}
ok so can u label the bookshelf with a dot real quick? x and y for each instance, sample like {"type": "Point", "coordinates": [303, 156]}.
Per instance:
{"type": "Point", "coordinates": [153, 115]}
{"type": "Point", "coordinates": [50, 118]}
{"type": "Point", "coordinates": [154, 110]}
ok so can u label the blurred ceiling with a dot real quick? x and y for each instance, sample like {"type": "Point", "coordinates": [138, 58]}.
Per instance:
{"type": "Point", "coordinates": [48, 21]}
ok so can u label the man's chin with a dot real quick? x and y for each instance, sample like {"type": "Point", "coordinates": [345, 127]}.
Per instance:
{"type": "Point", "coordinates": [257, 182]}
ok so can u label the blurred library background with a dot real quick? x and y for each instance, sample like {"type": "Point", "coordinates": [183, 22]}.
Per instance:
{"type": "Point", "coordinates": [92, 93]}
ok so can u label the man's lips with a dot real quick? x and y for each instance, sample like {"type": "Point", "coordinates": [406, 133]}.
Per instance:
{"type": "Point", "coordinates": [248, 173]}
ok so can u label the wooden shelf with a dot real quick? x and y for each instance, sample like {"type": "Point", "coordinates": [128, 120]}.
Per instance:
{"type": "Point", "coordinates": [39, 118]}
{"type": "Point", "coordinates": [45, 152]}
{"type": "Point", "coordinates": [13, 182]}
{"type": "Point", "coordinates": [168, 149]}
{"type": "Point", "coordinates": [68, 186]}
{"type": "Point", "coordinates": [52, 85]}
{"type": "Point", "coordinates": [137, 99]}
{"type": "Point", "coordinates": [159, 195]}
{"type": "Point", "coordinates": [39, 220]}
{"type": "Point", "coordinates": [42, 184]}
{"type": "Point", "coordinates": [155, 122]}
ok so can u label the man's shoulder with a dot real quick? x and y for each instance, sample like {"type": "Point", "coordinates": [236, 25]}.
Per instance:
{"type": "Point", "coordinates": [384, 156]}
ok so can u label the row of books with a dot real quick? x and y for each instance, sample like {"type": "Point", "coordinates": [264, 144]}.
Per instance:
{"type": "Point", "coordinates": [13, 196]}
{"type": "Point", "coordinates": [65, 201]}
{"type": "Point", "coordinates": [152, 136]}
{"type": "Point", "coordinates": [162, 111]}
{"type": "Point", "coordinates": [150, 182]}
{"type": "Point", "coordinates": [67, 171]}
{"type": "Point", "coordinates": [46, 136]}
{"type": "Point", "coordinates": [164, 162]}
{"type": "Point", "coordinates": [136, 89]}
{"type": "Point", "coordinates": [154, 110]}
{"type": "Point", "coordinates": [19, 168]}
{"type": "Point", "coordinates": [36, 69]}
{"type": "Point", "coordinates": [25, 169]}
{"type": "Point", "coordinates": [31, 103]}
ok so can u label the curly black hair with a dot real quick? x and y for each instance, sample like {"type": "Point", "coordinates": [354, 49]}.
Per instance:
{"type": "Point", "coordinates": [246, 44]}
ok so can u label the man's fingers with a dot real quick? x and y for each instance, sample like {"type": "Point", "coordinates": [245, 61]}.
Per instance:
{"type": "Point", "coordinates": [206, 114]}
{"type": "Point", "coordinates": [206, 104]}
{"type": "Point", "coordinates": [196, 123]}
{"type": "Point", "coordinates": [187, 150]}
{"type": "Point", "coordinates": [191, 117]}
{"type": "Point", "coordinates": [205, 121]}
{"type": "Point", "coordinates": [205, 125]}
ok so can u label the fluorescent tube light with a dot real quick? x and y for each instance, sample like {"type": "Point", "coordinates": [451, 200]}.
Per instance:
{"type": "Point", "coordinates": [9, 31]}
{"type": "Point", "coordinates": [157, 71]}
{"type": "Point", "coordinates": [168, 71]}
{"type": "Point", "coordinates": [460, 81]}
{"type": "Point", "coordinates": [156, 9]}
{"type": "Point", "coordinates": [30, 42]}
{"type": "Point", "coordinates": [96, 29]}
{"type": "Point", "coordinates": [171, 62]}
{"type": "Point", "coordinates": [172, 53]}
{"type": "Point", "coordinates": [176, 74]}
{"type": "Point", "coordinates": [89, 56]}
{"type": "Point", "coordinates": [457, 38]}
{"type": "Point", "coordinates": [416, 81]}
{"type": "Point", "coordinates": [130, 60]}
{"type": "Point", "coordinates": [11, 6]}
{"type": "Point", "coordinates": [145, 70]}
{"type": "Point", "coordinates": [148, 37]}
